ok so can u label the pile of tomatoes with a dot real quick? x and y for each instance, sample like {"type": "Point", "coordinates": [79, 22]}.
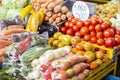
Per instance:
{"type": "Point", "coordinates": [94, 30]}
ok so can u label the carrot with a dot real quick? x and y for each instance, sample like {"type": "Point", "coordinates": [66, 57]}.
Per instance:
{"type": "Point", "coordinates": [4, 43]}
{"type": "Point", "coordinates": [6, 37]}
{"type": "Point", "coordinates": [11, 31]}
{"type": "Point", "coordinates": [13, 27]}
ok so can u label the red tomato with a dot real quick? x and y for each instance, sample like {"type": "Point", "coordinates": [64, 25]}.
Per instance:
{"type": "Point", "coordinates": [84, 30]}
{"type": "Point", "coordinates": [94, 22]}
{"type": "Point", "coordinates": [75, 28]}
{"type": "Point", "coordinates": [108, 33]}
{"type": "Point", "coordinates": [114, 28]}
{"type": "Point", "coordinates": [92, 33]}
{"type": "Point", "coordinates": [78, 34]}
{"type": "Point", "coordinates": [107, 22]}
{"type": "Point", "coordinates": [104, 26]}
{"type": "Point", "coordinates": [99, 34]}
{"type": "Point", "coordinates": [67, 24]}
{"type": "Point", "coordinates": [87, 37]}
{"type": "Point", "coordinates": [110, 42]}
{"type": "Point", "coordinates": [100, 41]}
{"type": "Point", "coordinates": [80, 24]}
{"type": "Point", "coordinates": [100, 21]}
{"type": "Point", "coordinates": [93, 39]}
{"type": "Point", "coordinates": [98, 27]}
{"type": "Point", "coordinates": [117, 39]}
{"type": "Point", "coordinates": [70, 19]}
{"type": "Point", "coordinates": [63, 30]}
{"type": "Point", "coordinates": [70, 32]}
{"type": "Point", "coordinates": [118, 32]}
{"type": "Point", "coordinates": [87, 22]}
{"type": "Point", "coordinates": [74, 21]}
{"type": "Point", "coordinates": [91, 28]}
{"type": "Point", "coordinates": [70, 25]}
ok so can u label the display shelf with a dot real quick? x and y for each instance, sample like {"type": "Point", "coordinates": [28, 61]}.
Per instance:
{"type": "Point", "coordinates": [102, 71]}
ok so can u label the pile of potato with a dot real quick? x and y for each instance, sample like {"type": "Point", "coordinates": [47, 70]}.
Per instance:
{"type": "Point", "coordinates": [54, 11]}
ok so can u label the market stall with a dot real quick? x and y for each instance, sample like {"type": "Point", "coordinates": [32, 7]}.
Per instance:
{"type": "Point", "coordinates": [59, 39]}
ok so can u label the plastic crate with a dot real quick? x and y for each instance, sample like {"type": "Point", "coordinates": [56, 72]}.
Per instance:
{"type": "Point", "coordinates": [111, 77]}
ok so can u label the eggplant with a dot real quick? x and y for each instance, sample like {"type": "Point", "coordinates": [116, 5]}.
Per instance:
{"type": "Point", "coordinates": [51, 30]}
{"type": "Point", "coordinates": [18, 20]}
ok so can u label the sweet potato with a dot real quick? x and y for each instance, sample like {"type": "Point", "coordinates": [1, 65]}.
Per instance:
{"type": "Point", "coordinates": [63, 17]}
{"type": "Point", "coordinates": [51, 6]}
{"type": "Point", "coordinates": [64, 9]}
{"type": "Point", "coordinates": [57, 8]}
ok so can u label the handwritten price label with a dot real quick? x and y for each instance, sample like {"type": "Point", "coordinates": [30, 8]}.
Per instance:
{"type": "Point", "coordinates": [80, 10]}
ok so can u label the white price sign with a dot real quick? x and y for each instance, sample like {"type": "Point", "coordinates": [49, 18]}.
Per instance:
{"type": "Point", "coordinates": [80, 10]}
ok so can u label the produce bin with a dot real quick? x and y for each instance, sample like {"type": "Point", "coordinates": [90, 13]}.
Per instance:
{"type": "Point", "coordinates": [106, 67]}
{"type": "Point", "coordinates": [111, 77]}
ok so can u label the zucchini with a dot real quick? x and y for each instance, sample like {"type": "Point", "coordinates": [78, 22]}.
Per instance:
{"type": "Point", "coordinates": [26, 19]}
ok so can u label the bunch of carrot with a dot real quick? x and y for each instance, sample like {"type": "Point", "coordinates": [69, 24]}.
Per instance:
{"type": "Point", "coordinates": [6, 37]}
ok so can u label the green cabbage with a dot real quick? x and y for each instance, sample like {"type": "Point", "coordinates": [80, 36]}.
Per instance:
{"type": "Point", "coordinates": [3, 12]}
{"type": "Point", "coordinates": [13, 12]}
{"type": "Point", "coordinates": [14, 3]}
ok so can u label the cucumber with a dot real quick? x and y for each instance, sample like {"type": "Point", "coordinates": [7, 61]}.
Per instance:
{"type": "Point", "coordinates": [26, 19]}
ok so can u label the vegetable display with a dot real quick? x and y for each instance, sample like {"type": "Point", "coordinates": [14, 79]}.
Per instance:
{"type": "Point", "coordinates": [42, 40]}
{"type": "Point", "coordinates": [94, 30]}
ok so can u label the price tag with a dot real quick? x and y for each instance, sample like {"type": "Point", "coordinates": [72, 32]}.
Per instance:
{"type": "Point", "coordinates": [80, 10]}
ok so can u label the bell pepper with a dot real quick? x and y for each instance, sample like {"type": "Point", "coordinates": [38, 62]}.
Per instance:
{"type": "Point", "coordinates": [35, 22]}
{"type": "Point", "coordinates": [41, 17]}
{"type": "Point", "coordinates": [25, 10]}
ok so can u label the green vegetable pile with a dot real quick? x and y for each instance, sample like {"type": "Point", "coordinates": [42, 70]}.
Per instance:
{"type": "Point", "coordinates": [11, 8]}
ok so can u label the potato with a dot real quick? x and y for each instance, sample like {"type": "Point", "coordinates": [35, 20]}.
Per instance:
{"type": "Point", "coordinates": [58, 20]}
{"type": "Point", "coordinates": [59, 14]}
{"type": "Point", "coordinates": [69, 14]}
{"type": "Point", "coordinates": [57, 8]}
{"type": "Point", "coordinates": [64, 9]}
{"type": "Point", "coordinates": [47, 18]}
{"type": "Point", "coordinates": [50, 13]}
{"type": "Point", "coordinates": [51, 20]}
{"type": "Point", "coordinates": [41, 9]}
{"type": "Point", "coordinates": [45, 10]}
{"type": "Point", "coordinates": [44, 5]}
{"type": "Point", "coordinates": [54, 16]}
{"type": "Point", "coordinates": [54, 23]}
{"type": "Point", "coordinates": [51, 6]}
{"type": "Point", "coordinates": [63, 17]}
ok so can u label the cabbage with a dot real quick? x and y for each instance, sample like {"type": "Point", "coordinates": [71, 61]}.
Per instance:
{"type": "Point", "coordinates": [3, 12]}
{"type": "Point", "coordinates": [13, 12]}
{"type": "Point", "coordinates": [14, 3]}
